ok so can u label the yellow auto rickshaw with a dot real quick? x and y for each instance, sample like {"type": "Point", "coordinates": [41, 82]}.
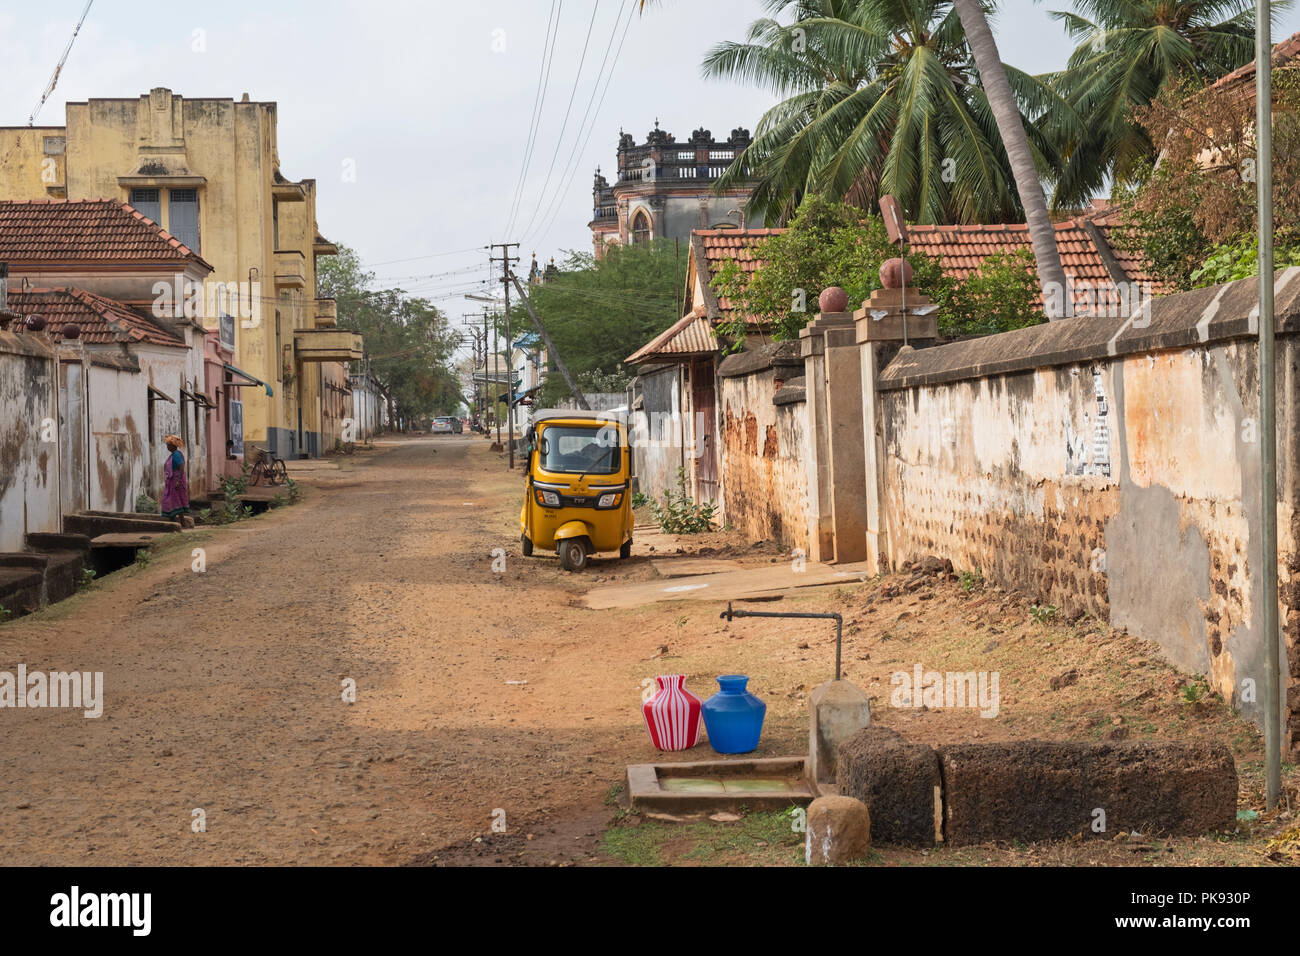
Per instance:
{"type": "Point", "coordinates": [576, 497]}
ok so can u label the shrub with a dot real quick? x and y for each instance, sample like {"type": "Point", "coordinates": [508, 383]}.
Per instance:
{"type": "Point", "coordinates": [146, 505]}
{"type": "Point", "coordinates": [679, 514]}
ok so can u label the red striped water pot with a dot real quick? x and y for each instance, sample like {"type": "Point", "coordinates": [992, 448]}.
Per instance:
{"type": "Point", "coordinates": [672, 715]}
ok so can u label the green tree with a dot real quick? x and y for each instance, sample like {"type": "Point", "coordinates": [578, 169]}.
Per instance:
{"type": "Point", "coordinates": [879, 97]}
{"type": "Point", "coordinates": [1193, 215]}
{"type": "Point", "coordinates": [600, 311]}
{"type": "Point", "coordinates": [1128, 50]}
{"type": "Point", "coordinates": [408, 342]}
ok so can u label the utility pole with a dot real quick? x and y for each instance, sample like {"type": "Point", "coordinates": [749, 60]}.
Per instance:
{"type": "Point", "coordinates": [480, 345]}
{"type": "Point", "coordinates": [485, 372]}
{"type": "Point", "coordinates": [505, 259]}
{"type": "Point", "coordinates": [1271, 698]}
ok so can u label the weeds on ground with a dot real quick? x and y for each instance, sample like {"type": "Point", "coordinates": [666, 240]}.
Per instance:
{"type": "Point", "coordinates": [142, 558]}
{"type": "Point", "coordinates": [679, 514]}
{"type": "Point", "coordinates": [87, 579]}
{"type": "Point", "coordinates": [1043, 613]}
{"type": "Point", "coordinates": [971, 581]}
{"type": "Point", "coordinates": [5, 613]}
{"type": "Point", "coordinates": [295, 493]}
{"type": "Point", "coordinates": [146, 505]}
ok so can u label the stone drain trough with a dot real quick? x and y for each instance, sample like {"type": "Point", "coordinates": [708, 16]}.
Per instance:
{"type": "Point", "coordinates": [710, 786]}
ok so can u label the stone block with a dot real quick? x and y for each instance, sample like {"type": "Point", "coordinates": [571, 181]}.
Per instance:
{"type": "Point", "coordinates": [898, 781]}
{"type": "Point", "coordinates": [1048, 790]}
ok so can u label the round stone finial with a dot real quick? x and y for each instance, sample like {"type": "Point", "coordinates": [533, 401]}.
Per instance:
{"type": "Point", "coordinates": [71, 330]}
{"type": "Point", "coordinates": [34, 323]}
{"type": "Point", "coordinates": [895, 273]}
{"type": "Point", "coordinates": [833, 299]}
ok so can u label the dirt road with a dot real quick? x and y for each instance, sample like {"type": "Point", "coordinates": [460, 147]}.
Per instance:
{"type": "Point", "coordinates": [487, 692]}
{"type": "Point", "coordinates": [223, 689]}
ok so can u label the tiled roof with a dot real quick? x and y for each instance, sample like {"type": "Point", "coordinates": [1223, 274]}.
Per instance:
{"type": "Point", "coordinates": [737, 245]}
{"type": "Point", "coordinates": [1283, 53]}
{"type": "Point", "coordinates": [85, 230]}
{"type": "Point", "coordinates": [689, 335]}
{"type": "Point", "coordinates": [961, 250]}
{"type": "Point", "coordinates": [102, 321]}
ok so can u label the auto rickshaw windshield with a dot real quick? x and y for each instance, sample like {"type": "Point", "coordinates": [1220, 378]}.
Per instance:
{"type": "Point", "coordinates": [578, 450]}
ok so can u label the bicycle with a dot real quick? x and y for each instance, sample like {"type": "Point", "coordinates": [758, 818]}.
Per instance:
{"type": "Point", "coordinates": [272, 469]}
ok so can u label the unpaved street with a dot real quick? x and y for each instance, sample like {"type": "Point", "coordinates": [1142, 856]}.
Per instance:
{"type": "Point", "coordinates": [223, 688]}
{"type": "Point", "coordinates": [492, 693]}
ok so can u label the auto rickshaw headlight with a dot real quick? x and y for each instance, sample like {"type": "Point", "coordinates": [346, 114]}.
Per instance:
{"type": "Point", "coordinates": [609, 500]}
{"type": "Point", "coordinates": [548, 499]}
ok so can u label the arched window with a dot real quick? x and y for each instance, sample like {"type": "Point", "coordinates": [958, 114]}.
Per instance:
{"type": "Point", "coordinates": [640, 227]}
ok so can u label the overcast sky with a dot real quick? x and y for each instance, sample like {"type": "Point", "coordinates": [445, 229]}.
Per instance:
{"type": "Point", "coordinates": [431, 101]}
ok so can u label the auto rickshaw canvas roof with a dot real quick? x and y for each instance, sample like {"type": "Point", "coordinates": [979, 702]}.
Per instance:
{"type": "Point", "coordinates": [574, 414]}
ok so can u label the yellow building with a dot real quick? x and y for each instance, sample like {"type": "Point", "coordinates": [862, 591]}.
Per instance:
{"type": "Point", "coordinates": [208, 171]}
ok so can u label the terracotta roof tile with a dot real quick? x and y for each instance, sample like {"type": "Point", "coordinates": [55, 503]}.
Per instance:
{"type": "Point", "coordinates": [961, 251]}
{"type": "Point", "coordinates": [102, 321]}
{"type": "Point", "coordinates": [84, 230]}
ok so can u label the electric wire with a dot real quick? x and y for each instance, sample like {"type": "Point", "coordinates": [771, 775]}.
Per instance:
{"type": "Point", "coordinates": [559, 140]}
{"type": "Point", "coordinates": [539, 99]}
{"type": "Point", "coordinates": [571, 169]}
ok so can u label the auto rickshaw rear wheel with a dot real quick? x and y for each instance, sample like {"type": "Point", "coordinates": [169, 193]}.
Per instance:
{"type": "Point", "coordinates": [526, 545]}
{"type": "Point", "coordinates": [573, 554]}
{"type": "Point", "coordinates": [625, 550]}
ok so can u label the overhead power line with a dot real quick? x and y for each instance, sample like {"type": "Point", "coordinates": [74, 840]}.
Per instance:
{"type": "Point", "coordinates": [539, 99]}
{"type": "Point", "coordinates": [559, 140]}
{"type": "Point", "coordinates": [564, 188]}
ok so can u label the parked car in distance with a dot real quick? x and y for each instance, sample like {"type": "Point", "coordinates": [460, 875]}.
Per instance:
{"type": "Point", "coordinates": [442, 426]}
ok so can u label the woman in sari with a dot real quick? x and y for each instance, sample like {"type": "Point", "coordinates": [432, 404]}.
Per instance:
{"type": "Point", "coordinates": [176, 492]}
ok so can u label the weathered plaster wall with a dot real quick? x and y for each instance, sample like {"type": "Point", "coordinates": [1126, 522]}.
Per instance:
{"type": "Point", "coordinates": [657, 432]}
{"type": "Point", "coordinates": [119, 418]}
{"type": "Point", "coordinates": [764, 483]}
{"type": "Point", "coordinates": [29, 463]}
{"type": "Point", "coordinates": [1110, 478]}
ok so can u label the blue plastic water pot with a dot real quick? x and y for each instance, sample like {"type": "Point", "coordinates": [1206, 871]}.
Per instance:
{"type": "Point", "coordinates": [733, 716]}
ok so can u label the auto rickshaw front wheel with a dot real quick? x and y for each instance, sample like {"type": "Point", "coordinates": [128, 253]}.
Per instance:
{"type": "Point", "coordinates": [526, 545]}
{"type": "Point", "coordinates": [573, 554]}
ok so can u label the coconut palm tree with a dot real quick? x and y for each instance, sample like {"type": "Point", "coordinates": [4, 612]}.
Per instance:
{"type": "Point", "coordinates": [1127, 51]}
{"type": "Point", "coordinates": [878, 97]}
{"type": "Point", "coordinates": [1029, 187]}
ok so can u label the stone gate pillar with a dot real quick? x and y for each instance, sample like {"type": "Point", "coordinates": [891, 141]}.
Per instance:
{"type": "Point", "coordinates": [833, 376]}
{"type": "Point", "coordinates": [890, 320]}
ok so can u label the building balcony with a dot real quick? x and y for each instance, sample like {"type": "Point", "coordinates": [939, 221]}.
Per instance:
{"type": "Point", "coordinates": [327, 313]}
{"type": "Point", "coordinates": [328, 345]}
{"type": "Point", "coordinates": [290, 269]}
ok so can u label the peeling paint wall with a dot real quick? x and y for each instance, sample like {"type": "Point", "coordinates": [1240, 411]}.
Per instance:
{"type": "Point", "coordinates": [764, 478]}
{"type": "Point", "coordinates": [29, 448]}
{"type": "Point", "coordinates": [1121, 487]}
{"type": "Point", "coordinates": [657, 432]}
{"type": "Point", "coordinates": [119, 417]}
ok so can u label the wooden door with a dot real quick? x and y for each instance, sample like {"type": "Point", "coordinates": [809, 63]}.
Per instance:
{"type": "Point", "coordinates": [72, 438]}
{"type": "Point", "coordinates": [703, 429]}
